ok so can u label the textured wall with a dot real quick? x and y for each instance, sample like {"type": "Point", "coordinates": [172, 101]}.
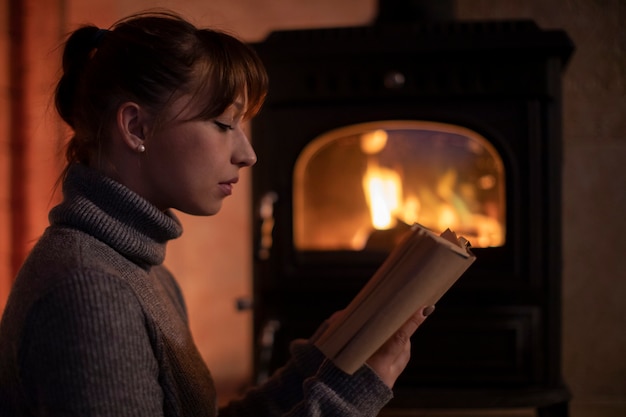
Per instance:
{"type": "Point", "coordinates": [5, 254]}
{"type": "Point", "coordinates": [594, 192]}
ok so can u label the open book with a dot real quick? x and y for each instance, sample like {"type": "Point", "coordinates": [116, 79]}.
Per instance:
{"type": "Point", "coordinates": [417, 273]}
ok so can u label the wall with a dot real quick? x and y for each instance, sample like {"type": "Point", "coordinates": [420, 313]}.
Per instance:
{"type": "Point", "coordinates": [594, 192]}
{"type": "Point", "coordinates": [212, 259]}
{"type": "Point", "coordinates": [29, 147]}
{"type": "Point", "coordinates": [5, 269]}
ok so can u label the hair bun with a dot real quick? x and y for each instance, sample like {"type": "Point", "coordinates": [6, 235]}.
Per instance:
{"type": "Point", "coordinates": [98, 36]}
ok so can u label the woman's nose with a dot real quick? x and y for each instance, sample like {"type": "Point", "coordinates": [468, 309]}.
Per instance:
{"type": "Point", "coordinates": [244, 155]}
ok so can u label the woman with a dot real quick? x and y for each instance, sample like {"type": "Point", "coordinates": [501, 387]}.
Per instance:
{"type": "Point", "coordinates": [95, 324]}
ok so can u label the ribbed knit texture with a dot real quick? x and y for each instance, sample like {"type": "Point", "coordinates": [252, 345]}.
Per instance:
{"type": "Point", "coordinates": [96, 326]}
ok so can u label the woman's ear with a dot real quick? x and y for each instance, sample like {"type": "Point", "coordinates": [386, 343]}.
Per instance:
{"type": "Point", "coordinates": [132, 125]}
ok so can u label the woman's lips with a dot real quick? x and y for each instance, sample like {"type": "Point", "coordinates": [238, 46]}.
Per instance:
{"type": "Point", "coordinates": [227, 186]}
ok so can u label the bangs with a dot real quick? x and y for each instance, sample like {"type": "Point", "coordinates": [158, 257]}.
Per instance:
{"type": "Point", "coordinates": [225, 70]}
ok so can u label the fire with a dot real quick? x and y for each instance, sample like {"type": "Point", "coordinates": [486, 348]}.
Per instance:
{"type": "Point", "coordinates": [383, 186]}
{"type": "Point", "coordinates": [445, 204]}
{"type": "Point", "coordinates": [383, 191]}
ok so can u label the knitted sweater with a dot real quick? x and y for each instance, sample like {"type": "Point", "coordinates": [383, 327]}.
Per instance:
{"type": "Point", "coordinates": [96, 326]}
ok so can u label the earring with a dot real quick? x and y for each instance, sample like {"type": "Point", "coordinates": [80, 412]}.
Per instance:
{"type": "Point", "coordinates": [141, 148]}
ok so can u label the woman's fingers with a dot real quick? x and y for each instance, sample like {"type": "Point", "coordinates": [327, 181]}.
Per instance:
{"type": "Point", "coordinates": [393, 356]}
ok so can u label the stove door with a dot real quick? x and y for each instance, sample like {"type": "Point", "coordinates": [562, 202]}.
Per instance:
{"type": "Point", "coordinates": [360, 187]}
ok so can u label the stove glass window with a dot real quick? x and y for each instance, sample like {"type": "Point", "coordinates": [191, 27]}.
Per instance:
{"type": "Point", "coordinates": [360, 187]}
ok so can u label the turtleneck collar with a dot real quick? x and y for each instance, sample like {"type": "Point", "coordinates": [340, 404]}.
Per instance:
{"type": "Point", "coordinates": [112, 213]}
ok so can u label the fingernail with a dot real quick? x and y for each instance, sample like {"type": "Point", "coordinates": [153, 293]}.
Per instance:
{"type": "Point", "coordinates": [428, 311]}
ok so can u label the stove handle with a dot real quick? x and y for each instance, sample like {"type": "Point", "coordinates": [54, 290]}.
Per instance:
{"type": "Point", "coordinates": [266, 214]}
{"type": "Point", "coordinates": [266, 349]}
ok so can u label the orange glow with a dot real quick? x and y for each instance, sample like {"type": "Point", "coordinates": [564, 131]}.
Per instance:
{"type": "Point", "coordinates": [383, 192]}
{"type": "Point", "coordinates": [446, 208]}
{"type": "Point", "coordinates": [359, 187]}
{"type": "Point", "coordinates": [382, 186]}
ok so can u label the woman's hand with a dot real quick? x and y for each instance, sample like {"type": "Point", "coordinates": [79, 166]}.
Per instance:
{"type": "Point", "coordinates": [392, 357]}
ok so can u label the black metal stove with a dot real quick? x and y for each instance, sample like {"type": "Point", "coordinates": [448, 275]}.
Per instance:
{"type": "Point", "coordinates": [466, 117]}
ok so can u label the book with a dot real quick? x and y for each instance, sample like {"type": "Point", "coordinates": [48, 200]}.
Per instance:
{"type": "Point", "coordinates": [420, 269]}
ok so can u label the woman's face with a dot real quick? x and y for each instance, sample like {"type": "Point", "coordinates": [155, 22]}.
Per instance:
{"type": "Point", "coordinates": [193, 165]}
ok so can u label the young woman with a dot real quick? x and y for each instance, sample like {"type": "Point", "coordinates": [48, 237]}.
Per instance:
{"type": "Point", "coordinates": [95, 324]}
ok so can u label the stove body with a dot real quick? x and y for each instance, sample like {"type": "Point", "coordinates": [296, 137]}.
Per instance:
{"type": "Point", "coordinates": [485, 96]}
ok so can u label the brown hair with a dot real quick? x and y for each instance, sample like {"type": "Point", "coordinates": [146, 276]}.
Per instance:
{"type": "Point", "coordinates": [150, 58]}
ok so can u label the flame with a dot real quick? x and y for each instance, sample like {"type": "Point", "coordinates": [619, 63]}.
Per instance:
{"type": "Point", "coordinates": [382, 186]}
{"type": "Point", "coordinates": [373, 142]}
{"type": "Point", "coordinates": [383, 191]}
{"type": "Point", "coordinates": [448, 203]}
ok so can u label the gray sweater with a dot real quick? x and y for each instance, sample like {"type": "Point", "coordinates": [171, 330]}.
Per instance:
{"type": "Point", "coordinates": [96, 326]}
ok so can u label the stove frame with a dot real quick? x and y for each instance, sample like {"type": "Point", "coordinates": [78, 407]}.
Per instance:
{"type": "Point", "coordinates": [495, 339]}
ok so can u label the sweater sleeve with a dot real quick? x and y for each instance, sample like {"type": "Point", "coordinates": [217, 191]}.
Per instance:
{"type": "Point", "coordinates": [311, 386]}
{"type": "Point", "coordinates": [86, 351]}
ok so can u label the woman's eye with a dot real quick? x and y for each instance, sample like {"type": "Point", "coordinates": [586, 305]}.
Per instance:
{"type": "Point", "coordinates": [223, 126]}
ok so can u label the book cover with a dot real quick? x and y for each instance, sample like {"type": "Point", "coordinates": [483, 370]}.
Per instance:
{"type": "Point", "coordinates": [417, 273]}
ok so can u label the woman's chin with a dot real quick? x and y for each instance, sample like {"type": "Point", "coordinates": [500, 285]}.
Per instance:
{"type": "Point", "coordinates": [202, 210]}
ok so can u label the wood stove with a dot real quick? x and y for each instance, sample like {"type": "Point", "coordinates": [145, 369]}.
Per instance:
{"type": "Point", "coordinates": [460, 124]}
